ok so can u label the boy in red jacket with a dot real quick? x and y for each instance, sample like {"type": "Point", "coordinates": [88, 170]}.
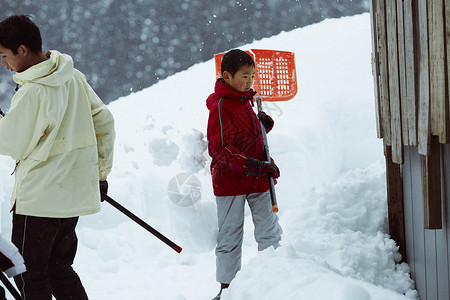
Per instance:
{"type": "Point", "coordinates": [238, 168]}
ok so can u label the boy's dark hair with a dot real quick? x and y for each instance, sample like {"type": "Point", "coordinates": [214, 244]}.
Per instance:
{"type": "Point", "coordinates": [20, 30]}
{"type": "Point", "coordinates": [234, 59]}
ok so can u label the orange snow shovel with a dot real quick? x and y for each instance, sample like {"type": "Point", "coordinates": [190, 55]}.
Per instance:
{"type": "Point", "coordinates": [275, 80]}
{"type": "Point", "coordinates": [275, 73]}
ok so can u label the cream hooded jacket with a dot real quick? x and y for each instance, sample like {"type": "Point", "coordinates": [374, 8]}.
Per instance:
{"type": "Point", "coordinates": [62, 136]}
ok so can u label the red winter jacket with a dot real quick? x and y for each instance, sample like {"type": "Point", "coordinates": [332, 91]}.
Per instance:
{"type": "Point", "coordinates": [234, 135]}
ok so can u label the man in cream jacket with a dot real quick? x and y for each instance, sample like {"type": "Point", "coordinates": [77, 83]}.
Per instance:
{"type": "Point", "coordinates": [61, 136]}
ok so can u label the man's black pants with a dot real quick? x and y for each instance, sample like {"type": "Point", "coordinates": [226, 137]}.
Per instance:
{"type": "Point", "coordinates": [48, 246]}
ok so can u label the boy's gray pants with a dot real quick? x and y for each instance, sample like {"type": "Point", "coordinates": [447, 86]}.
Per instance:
{"type": "Point", "coordinates": [230, 213]}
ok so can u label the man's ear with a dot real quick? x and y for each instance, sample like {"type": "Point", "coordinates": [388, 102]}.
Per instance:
{"type": "Point", "coordinates": [23, 50]}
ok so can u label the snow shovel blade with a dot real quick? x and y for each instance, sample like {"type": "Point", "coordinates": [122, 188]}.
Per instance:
{"type": "Point", "coordinates": [275, 73]}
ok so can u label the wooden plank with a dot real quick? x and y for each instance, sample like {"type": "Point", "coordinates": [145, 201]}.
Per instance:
{"type": "Point", "coordinates": [410, 66]}
{"type": "Point", "coordinates": [402, 72]}
{"type": "Point", "coordinates": [408, 197]}
{"type": "Point", "coordinates": [394, 85]}
{"type": "Point", "coordinates": [395, 202]}
{"type": "Point", "coordinates": [383, 68]}
{"type": "Point", "coordinates": [431, 182]}
{"type": "Point", "coordinates": [423, 131]}
{"type": "Point", "coordinates": [375, 68]}
{"type": "Point", "coordinates": [437, 58]}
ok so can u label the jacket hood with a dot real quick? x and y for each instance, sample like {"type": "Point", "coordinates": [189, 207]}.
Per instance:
{"type": "Point", "coordinates": [222, 89]}
{"type": "Point", "coordinates": [54, 71]}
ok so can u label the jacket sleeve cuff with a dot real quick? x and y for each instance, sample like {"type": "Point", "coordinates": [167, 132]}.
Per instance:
{"type": "Point", "coordinates": [16, 270]}
{"type": "Point", "coordinates": [103, 174]}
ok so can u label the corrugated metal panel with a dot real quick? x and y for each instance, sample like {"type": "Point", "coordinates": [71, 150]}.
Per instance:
{"type": "Point", "coordinates": [443, 237]}
{"type": "Point", "coordinates": [412, 182]}
{"type": "Point", "coordinates": [428, 251]}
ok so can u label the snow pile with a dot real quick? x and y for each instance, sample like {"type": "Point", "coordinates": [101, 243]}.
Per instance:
{"type": "Point", "coordinates": [337, 228]}
{"type": "Point", "coordinates": [331, 192]}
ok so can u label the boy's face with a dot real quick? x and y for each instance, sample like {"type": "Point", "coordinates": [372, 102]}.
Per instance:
{"type": "Point", "coordinates": [242, 80]}
{"type": "Point", "coordinates": [13, 62]}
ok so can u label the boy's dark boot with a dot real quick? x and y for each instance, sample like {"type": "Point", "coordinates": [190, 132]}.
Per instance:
{"type": "Point", "coordinates": [222, 287]}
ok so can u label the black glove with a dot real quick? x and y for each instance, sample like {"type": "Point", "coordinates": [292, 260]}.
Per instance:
{"type": "Point", "coordinates": [103, 187]}
{"type": "Point", "coordinates": [266, 120]}
{"type": "Point", "coordinates": [258, 168]}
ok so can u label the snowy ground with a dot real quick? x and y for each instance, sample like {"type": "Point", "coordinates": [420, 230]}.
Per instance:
{"type": "Point", "coordinates": [331, 192]}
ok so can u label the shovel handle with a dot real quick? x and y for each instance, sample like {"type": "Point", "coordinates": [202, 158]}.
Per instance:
{"type": "Point", "coordinates": [273, 196]}
{"type": "Point", "coordinates": [142, 223]}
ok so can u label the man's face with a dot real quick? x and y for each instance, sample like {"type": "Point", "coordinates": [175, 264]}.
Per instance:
{"type": "Point", "coordinates": [242, 80]}
{"type": "Point", "coordinates": [13, 62]}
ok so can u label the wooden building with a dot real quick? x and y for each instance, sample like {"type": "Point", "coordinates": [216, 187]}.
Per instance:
{"type": "Point", "coordinates": [410, 59]}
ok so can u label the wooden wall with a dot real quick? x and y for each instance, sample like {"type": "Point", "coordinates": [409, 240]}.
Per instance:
{"type": "Point", "coordinates": [410, 63]}
{"type": "Point", "coordinates": [411, 50]}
